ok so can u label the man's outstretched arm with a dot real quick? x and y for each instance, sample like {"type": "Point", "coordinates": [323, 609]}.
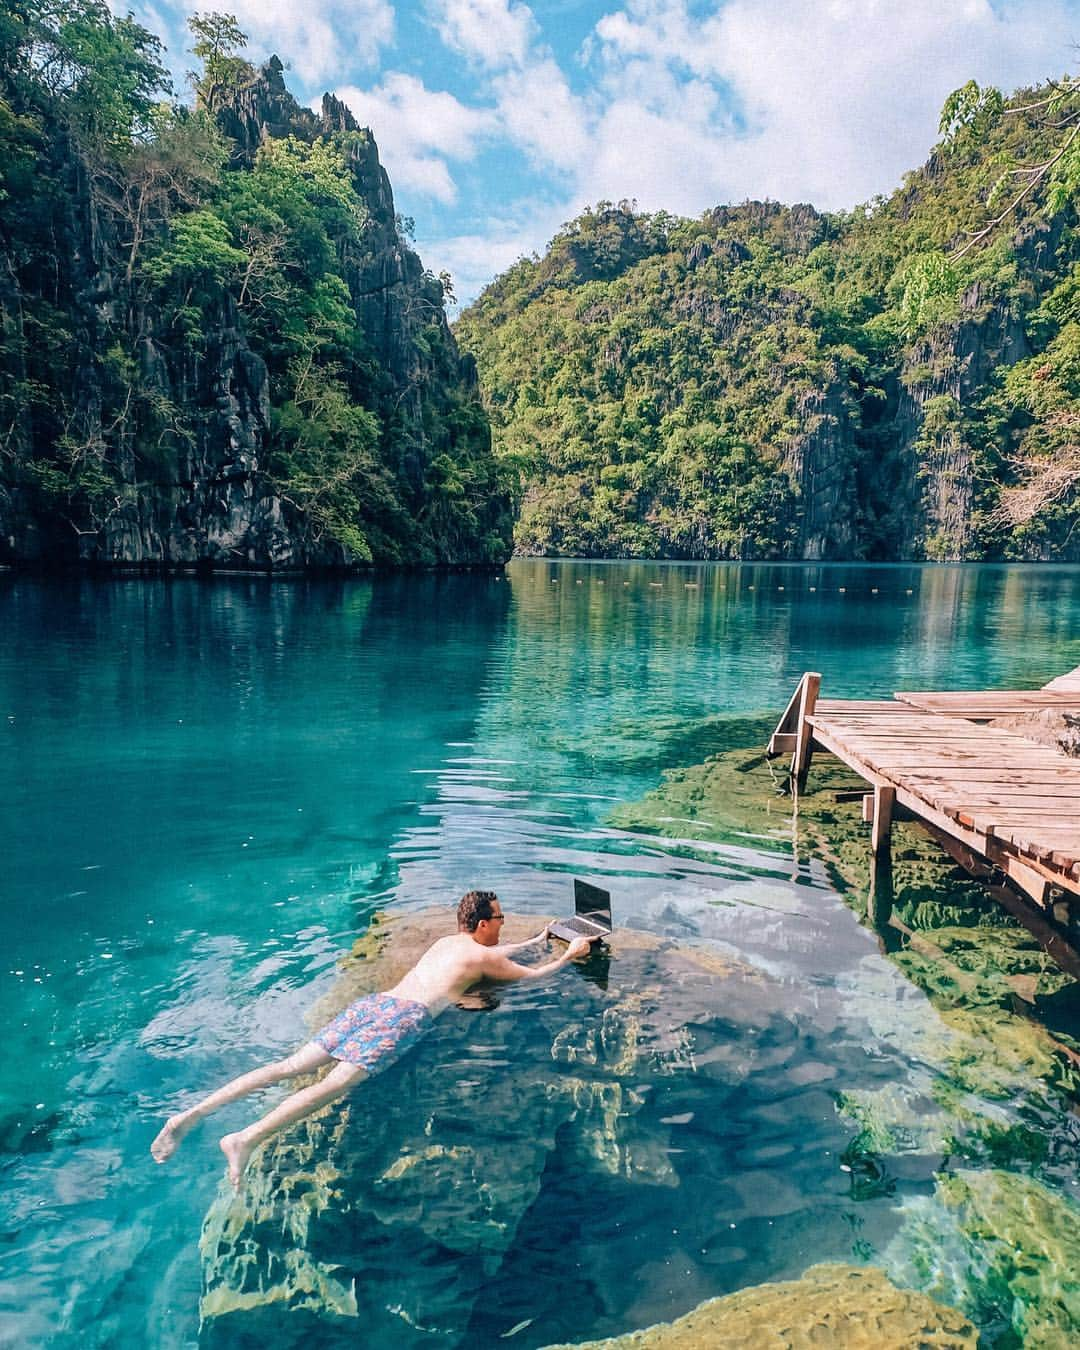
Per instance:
{"type": "Point", "coordinates": [500, 967]}
{"type": "Point", "coordinates": [529, 942]}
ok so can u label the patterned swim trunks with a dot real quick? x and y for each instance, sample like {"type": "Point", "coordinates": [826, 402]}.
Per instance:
{"type": "Point", "coordinates": [375, 1031]}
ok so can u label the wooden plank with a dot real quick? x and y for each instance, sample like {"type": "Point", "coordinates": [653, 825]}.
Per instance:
{"type": "Point", "coordinates": [1005, 698]}
{"type": "Point", "coordinates": [905, 752]}
{"type": "Point", "coordinates": [788, 724]}
{"type": "Point", "coordinates": [1059, 817]}
{"type": "Point", "coordinates": [979, 774]}
{"type": "Point", "coordinates": [1007, 822]}
{"type": "Point", "coordinates": [947, 728]}
{"type": "Point", "coordinates": [1067, 798]}
{"type": "Point", "coordinates": [943, 819]}
{"type": "Point", "coordinates": [943, 733]}
{"type": "Point", "coordinates": [959, 729]}
{"type": "Point", "coordinates": [1050, 837]}
{"type": "Point", "coordinates": [920, 724]}
{"type": "Point", "coordinates": [1007, 855]}
{"type": "Point", "coordinates": [947, 696]}
{"type": "Point", "coordinates": [901, 765]}
{"type": "Point", "coordinates": [869, 705]}
{"type": "Point", "coordinates": [995, 794]}
{"type": "Point", "coordinates": [1061, 853]}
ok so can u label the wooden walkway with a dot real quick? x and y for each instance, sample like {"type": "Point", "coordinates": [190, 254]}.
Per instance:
{"type": "Point", "coordinates": [984, 705]}
{"type": "Point", "coordinates": [1000, 804]}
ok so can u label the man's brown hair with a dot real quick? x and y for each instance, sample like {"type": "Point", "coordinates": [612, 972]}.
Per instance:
{"type": "Point", "coordinates": [474, 906]}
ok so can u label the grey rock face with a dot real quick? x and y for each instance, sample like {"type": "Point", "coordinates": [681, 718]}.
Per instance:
{"type": "Point", "coordinates": [191, 476]}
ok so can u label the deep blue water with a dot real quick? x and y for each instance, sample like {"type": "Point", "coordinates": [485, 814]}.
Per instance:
{"type": "Point", "coordinates": [210, 786]}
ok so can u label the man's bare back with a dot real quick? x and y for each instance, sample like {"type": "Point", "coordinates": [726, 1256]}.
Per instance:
{"type": "Point", "coordinates": [453, 964]}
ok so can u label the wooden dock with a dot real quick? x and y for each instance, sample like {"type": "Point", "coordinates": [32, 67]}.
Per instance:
{"type": "Point", "coordinates": [1004, 807]}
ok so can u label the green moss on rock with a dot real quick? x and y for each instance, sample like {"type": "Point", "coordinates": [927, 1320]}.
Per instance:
{"type": "Point", "coordinates": [1001, 1243]}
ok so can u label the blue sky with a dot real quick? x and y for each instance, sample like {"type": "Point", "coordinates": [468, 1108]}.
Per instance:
{"type": "Point", "coordinates": [498, 121]}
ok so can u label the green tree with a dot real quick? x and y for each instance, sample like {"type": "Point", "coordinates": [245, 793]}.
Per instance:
{"type": "Point", "coordinates": [219, 39]}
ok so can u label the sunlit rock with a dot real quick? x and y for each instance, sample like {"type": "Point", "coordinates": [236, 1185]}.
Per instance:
{"type": "Point", "coordinates": [832, 1305]}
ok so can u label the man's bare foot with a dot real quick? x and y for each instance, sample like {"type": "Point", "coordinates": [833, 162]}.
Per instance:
{"type": "Point", "coordinates": [237, 1152]}
{"type": "Point", "coordinates": [174, 1129]}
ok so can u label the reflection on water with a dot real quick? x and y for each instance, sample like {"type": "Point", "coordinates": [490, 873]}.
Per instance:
{"type": "Point", "coordinates": [213, 786]}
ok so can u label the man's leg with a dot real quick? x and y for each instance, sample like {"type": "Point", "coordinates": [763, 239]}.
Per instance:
{"type": "Point", "coordinates": [238, 1147]}
{"type": "Point", "coordinates": [305, 1060]}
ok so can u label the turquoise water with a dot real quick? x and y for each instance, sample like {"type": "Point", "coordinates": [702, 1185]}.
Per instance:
{"type": "Point", "coordinates": [212, 785]}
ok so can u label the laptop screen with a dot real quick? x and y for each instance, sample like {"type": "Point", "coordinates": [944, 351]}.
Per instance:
{"type": "Point", "coordinates": [592, 903]}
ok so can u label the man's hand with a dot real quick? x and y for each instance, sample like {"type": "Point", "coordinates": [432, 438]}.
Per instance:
{"type": "Point", "coordinates": [579, 946]}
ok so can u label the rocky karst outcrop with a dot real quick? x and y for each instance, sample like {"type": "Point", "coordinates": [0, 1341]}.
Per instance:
{"type": "Point", "coordinates": [774, 382]}
{"type": "Point", "coordinates": [146, 417]}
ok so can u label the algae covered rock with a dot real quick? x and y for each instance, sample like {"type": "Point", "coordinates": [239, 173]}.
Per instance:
{"type": "Point", "coordinates": [729, 796]}
{"type": "Point", "coordinates": [846, 1307]}
{"type": "Point", "coordinates": [394, 1207]}
{"type": "Point", "coordinates": [1002, 1245]}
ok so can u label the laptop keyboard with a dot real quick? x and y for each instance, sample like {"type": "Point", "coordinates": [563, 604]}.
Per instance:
{"type": "Point", "coordinates": [579, 926]}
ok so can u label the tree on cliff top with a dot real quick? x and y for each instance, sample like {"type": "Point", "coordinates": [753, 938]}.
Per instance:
{"type": "Point", "coordinates": [103, 73]}
{"type": "Point", "coordinates": [219, 41]}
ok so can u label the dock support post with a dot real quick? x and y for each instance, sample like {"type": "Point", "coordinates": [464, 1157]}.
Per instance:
{"type": "Point", "coordinates": [879, 905]}
{"type": "Point", "coordinates": [800, 760]}
{"type": "Point", "coordinates": [881, 829]}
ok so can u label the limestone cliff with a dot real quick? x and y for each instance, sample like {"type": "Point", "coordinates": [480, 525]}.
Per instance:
{"type": "Point", "coordinates": [153, 415]}
{"type": "Point", "coordinates": [776, 382]}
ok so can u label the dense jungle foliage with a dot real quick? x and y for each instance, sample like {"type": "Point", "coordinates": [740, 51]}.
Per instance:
{"type": "Point", "coordinates": [775, 382]}
{"type": "Point", "coordinates": [215, 342]}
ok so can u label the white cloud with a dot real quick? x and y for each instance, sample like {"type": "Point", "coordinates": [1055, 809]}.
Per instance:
{"type": "Point", "coordinates": [682, 104]}
{"type": "Point", "coordinates": [417, 130]}
{"type": "Point", "coordinates": [319, 39]}
{"type": "Point", "coordinates": [658, 160]}
{"type": "Point", "coordinates": [494, 33]}
{"type": "Point", "coordinates": [538, 112]}
{"type": "Point", "coordinates": [839, 97]}
{"type": "Point", "coordinates": [827, 101]}
{"type": "Point", "coordinates": [316, 40]}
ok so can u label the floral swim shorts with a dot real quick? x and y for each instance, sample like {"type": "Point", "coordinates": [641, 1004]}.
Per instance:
{"type": "Point", "coordinates": [375, 1031]}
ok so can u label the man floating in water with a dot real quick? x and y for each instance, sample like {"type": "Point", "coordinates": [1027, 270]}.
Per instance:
{"type": "Point", "coordinates": [374, 1031]}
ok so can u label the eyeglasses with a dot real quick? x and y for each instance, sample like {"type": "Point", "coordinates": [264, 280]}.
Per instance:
{"type": "Point", "coordinates": [493, 917]}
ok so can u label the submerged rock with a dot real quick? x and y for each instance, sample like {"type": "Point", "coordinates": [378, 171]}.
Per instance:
{"type": "Point", "coordinates": [832, 1305]}
{"type": "Point", "coordinates": [396, 1206]}
{"type": "Point", "coordinates": [991, 1053]}
{"type": "Point", "coordinates": [1001, 1243]}
{"type": "Point", "coordinates": [974, 962]}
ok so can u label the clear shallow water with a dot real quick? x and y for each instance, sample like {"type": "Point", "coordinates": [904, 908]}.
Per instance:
{"type": "Point", "coordinates": [211, 786]}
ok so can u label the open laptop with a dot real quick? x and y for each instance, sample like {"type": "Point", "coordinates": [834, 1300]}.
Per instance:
{"type": "Point", "coordinates": [592, 914]}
